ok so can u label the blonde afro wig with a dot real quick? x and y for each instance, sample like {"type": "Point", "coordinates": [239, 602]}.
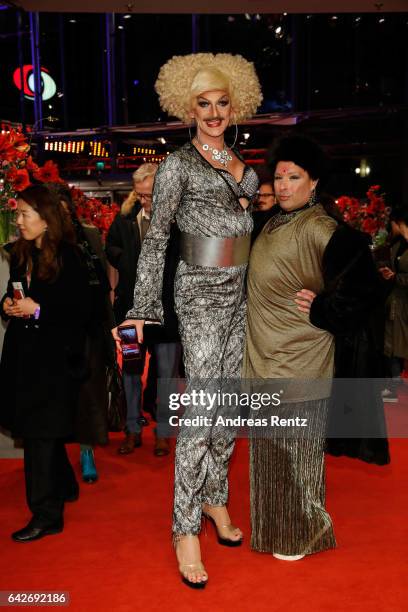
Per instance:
{"type": "Point", "coordinates": [184, 77]}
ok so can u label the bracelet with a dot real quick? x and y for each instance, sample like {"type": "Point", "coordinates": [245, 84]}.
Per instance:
{"type": "Point", "coordinates": [37, 313]}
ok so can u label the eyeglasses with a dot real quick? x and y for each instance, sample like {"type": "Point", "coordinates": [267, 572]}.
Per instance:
{"type": "Point", "coordinates": [144, 196]}
{"type": "Point", "coordinates": [265, 195]}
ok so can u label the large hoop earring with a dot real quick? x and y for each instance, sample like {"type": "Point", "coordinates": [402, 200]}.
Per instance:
{"type": "Point", "coordinates": [235, 139]}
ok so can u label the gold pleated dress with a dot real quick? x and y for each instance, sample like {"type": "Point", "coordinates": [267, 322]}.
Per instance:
{"type": "Point", "coordinates": [287, 475]}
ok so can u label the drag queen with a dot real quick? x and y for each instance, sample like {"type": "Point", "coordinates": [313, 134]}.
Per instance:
{"type": "Point", "coordinates": [206, 188]}
{"type": "Point", "coordinates": [288, 515]}
{"type": "Point", "coordinates": [312, 286]}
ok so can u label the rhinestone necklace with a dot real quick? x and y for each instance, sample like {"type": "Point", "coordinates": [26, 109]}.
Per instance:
{"type": "Point", "coordinates": [221, 156]}
{"type": "Point", "coordinates": [282, 217]}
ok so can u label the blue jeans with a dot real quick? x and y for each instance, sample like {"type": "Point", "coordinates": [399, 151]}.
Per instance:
{"type": "Point", "coordinates": [132, 384]}
{"type": "Point", "coordinates": [168, 359]}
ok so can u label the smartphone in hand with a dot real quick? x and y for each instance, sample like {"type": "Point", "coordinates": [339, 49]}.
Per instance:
{"type": "Point", "coordinates": [18, 291]}
{"type": "Point", "coordinates": [130, 346]}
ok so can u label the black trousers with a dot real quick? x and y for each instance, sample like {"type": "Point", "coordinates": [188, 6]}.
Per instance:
{"type": "Point", "coordinates": [49, 479]}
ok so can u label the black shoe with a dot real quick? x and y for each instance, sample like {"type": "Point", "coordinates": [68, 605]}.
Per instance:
{"type": "Point", "coordinates": [29, 533]}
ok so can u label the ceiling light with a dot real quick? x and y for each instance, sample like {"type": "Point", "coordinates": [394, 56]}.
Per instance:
{"type": "Point", "coordinates": [364, 169]}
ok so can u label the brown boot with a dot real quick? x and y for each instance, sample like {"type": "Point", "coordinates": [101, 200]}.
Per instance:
{"type": "Point", "coordinates": [161, 447]}
{"type": "Point", "coordinates": [132, 441]}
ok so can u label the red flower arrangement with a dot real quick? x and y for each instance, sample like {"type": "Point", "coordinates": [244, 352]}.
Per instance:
{"type": "Point", "coordinates": [49, 173]}
{"type": "Point", "coordinates": [370, 215]}
{"type": "Point", "coordinates": [93, 211]}
{"type": "Point", "coordinates": [13, 146]}
{"type": "Point", "coordinates": [19, 179]}
{"type": "Point", "coordinates": [31, 165]}
{"type": "Point", "coordinates": [18, 170]}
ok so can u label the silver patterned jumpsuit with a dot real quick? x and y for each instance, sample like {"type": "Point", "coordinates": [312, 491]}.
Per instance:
{"type": "Point", "coordinates": [210, 305]}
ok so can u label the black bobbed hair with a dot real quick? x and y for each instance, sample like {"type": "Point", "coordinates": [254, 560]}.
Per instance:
{"type": "Point", "coordinates": [301, 151]}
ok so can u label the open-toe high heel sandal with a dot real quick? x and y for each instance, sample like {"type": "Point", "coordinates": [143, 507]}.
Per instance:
{"type": "Point", "coordinates": [221, 540]}
{"type": "Point", "coordinates": [186, 568]}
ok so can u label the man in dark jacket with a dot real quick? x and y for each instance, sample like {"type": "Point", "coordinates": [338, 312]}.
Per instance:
{"type": "Point", "coordinates": [123, 245]}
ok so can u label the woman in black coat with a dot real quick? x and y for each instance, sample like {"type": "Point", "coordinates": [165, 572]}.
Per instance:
{"type": "Point", "coordinates": [42, 361]}
{"type": "Point", "coordinates": [92, 424]}
{"type": "Point", "coordinates": [351, 308]}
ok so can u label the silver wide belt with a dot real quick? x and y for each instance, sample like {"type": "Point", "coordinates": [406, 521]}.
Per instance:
{"type": "Point", "coordinates": [215, 252]}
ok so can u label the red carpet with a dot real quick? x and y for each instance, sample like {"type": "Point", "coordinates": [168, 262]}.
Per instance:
{"type": "Point", "coordinates": [115, 552]}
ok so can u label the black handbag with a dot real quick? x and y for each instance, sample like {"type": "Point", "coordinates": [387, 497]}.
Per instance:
{"type": "Point", "coordinates": [117, 400]}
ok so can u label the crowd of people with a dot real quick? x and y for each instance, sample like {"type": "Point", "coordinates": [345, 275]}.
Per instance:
{"type": "Point", "coordinates": [224, 277]}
